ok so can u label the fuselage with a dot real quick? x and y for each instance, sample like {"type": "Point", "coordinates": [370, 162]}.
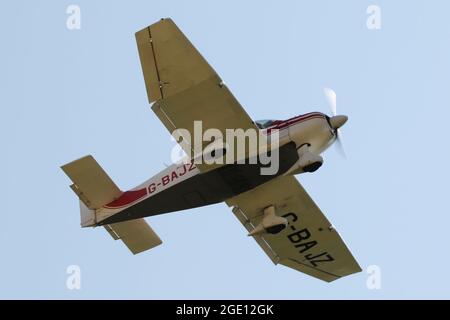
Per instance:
{"type": "Point", "coordinates": [183, 186]}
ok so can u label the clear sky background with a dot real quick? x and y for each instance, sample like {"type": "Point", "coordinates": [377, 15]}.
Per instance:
{"type": "Point", "coordinates": [65, 94]}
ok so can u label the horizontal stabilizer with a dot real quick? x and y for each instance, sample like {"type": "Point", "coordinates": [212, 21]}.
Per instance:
{"type": "Point", "coordinates": [137, 235]}
{"type": "Point", "coordinates": [91, 183]}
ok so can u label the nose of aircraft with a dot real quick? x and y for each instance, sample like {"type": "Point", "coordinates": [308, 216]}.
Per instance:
{"type": "Point", "coordinates": [338, 121]}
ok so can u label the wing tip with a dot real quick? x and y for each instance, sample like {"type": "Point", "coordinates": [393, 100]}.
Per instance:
{"type": "Point", "coordinates": [162, 20]}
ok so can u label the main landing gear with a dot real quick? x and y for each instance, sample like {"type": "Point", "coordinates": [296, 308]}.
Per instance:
{"type": "Point", "coordinates": [308, 161]}
{"type": "Point", "coordinates": [271, 223]}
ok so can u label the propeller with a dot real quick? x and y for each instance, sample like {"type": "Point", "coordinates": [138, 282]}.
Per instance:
{"type": "Point", "coordinates": [337, 121]}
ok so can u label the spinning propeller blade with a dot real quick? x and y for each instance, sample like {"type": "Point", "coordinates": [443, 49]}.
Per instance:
{"type": "Point", "coordinates": [331, 98]}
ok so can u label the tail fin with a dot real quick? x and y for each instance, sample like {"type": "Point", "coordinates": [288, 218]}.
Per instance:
{"type": "Point", "coordinates": [95, 188]}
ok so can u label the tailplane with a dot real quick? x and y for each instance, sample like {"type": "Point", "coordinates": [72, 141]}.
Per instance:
{"type": "Point", "coordinates": [92, 185]}
{"type": "Point", "coordinates": [95, 188]}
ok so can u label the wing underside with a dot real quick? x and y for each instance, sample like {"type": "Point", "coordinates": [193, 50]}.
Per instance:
{"type": "Point", "coordinates": [309, 244]}
{"type": "Point", "coordinates": [185, 87]}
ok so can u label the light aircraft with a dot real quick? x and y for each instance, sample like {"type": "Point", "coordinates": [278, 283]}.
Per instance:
{"type": "Point", "coordinates": [275, 209]}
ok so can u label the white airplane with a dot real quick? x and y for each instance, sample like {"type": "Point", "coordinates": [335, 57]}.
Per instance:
{"type": "Point", "coordinates": [275, 209]}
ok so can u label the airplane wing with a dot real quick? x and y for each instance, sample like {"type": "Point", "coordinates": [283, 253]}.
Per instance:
{"type": "Point", "coordinates": [309, 243]}
{"type": "Point", "coordinates": [185, 87]}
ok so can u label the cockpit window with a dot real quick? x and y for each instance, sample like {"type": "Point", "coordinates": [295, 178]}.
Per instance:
{"type": "Point", "coordinates": [263, 124]}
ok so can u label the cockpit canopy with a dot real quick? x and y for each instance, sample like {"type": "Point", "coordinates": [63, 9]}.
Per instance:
{"type": "Point", "coordinates": [263, 124]}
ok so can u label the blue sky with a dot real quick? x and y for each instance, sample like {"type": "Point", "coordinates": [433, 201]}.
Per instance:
{"type": "Point", "coordinates": [67, 93]}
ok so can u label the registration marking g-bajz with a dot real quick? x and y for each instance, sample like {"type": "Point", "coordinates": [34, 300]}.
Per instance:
{"type": "Point", "coordinates": [301, 239]}
{"type": "Point", "coordinates": [173, 176]}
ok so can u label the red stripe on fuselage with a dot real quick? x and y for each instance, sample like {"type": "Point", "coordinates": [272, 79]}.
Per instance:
{"type": "Point", "coordinates": [289, 122]}
{"type": "Point", "coordinates": [297, 119]}
{"type": "Point", "coordinates": [127, 198]}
